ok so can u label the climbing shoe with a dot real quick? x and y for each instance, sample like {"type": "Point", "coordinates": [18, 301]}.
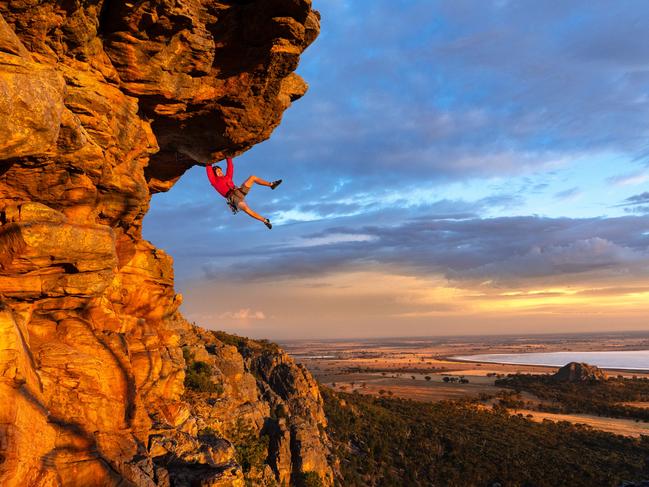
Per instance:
{"type": "Point", "coordinates": [268, 224]}
{"type": "Point", "coordinates": [274, 184]}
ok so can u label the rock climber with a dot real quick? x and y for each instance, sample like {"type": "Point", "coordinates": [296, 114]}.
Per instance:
{"type": "Point", "coordinates": [235, 197]}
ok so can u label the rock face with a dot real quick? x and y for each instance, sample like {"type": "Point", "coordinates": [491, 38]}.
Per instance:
{"type": "Point", "coordinates": [103, 103]}
{"type": "Point", "coordinates": [579, 372]}
{"type": "Point", "coordinates": [259, 391]}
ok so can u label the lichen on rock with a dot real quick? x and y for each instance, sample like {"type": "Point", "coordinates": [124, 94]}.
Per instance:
{"type": "Point", "coordinates": [104, 103]}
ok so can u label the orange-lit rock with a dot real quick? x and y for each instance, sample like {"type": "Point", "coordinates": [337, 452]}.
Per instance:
{"type": "Point", "coordinates": [102, 104]}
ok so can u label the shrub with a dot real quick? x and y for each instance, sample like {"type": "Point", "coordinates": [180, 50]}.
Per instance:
{"type": "Point", "coordinates": [251, 449]}
{"type": "Point", "coordinates": [198, 375]}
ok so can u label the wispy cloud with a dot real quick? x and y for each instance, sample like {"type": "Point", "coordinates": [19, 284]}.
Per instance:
{"type": "Point", "coordinates": [636, 204]}
{"type": "Point", "coordinates": [243, 314]}
{"type": "Point", "coordinates": [629, 179]}
{"type": "Point", "coordinates": [569, 194]}
{"type": "Point", "coordinates": [331, 239]}
{"type": "Point", "coordinates": [638, 199]}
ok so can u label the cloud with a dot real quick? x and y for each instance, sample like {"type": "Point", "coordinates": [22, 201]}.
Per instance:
{"type": "Point", "coordinates": [331, 239]}
{"type": "Point", "coordinates": [243, 314]}
{"type": "Point", "coordinates": [636, 204]}
{"type": "Point", "coordinates": [637, 199]}
{"type": "Point", "coordinates": [576, 257]}
{"type": "Point", "coordinates": [640, 210]}
{"type": "Point", "coordinates": [629, 179]}
{"type": "Point", "coordinates": [615, 291]}
{"type": "Point", "coordinates": [501, 251]}
{"type": "Point", "coordinates": [568, 194]}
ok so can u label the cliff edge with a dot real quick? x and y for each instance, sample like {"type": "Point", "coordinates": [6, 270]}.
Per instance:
{"type": "Point", "coordinates": [102, 382]}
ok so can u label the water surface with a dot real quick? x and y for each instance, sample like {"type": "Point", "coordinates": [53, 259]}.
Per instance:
{"type": "Point", "coordinates": [627, 360]}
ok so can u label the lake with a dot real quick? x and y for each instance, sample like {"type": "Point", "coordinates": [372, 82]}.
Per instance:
{"type": "Point", "coordinates": [627, 360]}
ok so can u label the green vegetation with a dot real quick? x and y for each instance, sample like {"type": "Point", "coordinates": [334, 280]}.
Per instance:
{"type": "Point", "coordinates": [229, 339]}
{"type": "Point", "coordinates": [251, 449]}
{"type": "Point", "coordinates": [603, 398]}
{"type": "Point", "coordinates": [397, 442]}
{"type": "Point", "coordinates": [244, 344]}
{"type": "Point", "coordinates": [198, 375]}
{"type": "Point", "coordinates": [461, 379]}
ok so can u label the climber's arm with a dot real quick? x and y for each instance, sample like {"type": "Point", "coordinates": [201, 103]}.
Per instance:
{"type": "Point", "coordinates": [210, 174]}
{"type": "Point", "coordinates": [230, 170]}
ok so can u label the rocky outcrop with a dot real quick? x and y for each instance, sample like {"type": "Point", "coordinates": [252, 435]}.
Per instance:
{"type": "Point", "coordinates": [259, 393]}
{"type": "Point", "coordinates": [103, 103]}
{"type": "Point", "coordinates": [579, 372]}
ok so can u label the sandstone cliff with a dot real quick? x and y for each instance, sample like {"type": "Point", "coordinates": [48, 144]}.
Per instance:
{"type": "Point", "coordinates": [103, 103]}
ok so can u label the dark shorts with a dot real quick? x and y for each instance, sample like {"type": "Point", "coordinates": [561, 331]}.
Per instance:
{"type": "Point", "coordinates": [237, 195]}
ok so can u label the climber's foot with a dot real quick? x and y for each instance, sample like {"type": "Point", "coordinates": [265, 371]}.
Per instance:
{"type": "Point", "coordinates": [268, 223]}
{"type": "Point", "coordinates": [274, 184]}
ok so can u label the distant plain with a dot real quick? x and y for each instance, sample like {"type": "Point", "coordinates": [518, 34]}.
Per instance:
{"type": "Point", "coordinates": [423, 369]}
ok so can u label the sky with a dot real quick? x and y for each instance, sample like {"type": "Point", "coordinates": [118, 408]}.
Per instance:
{"type": "Point", "coordinates": [456, 167]}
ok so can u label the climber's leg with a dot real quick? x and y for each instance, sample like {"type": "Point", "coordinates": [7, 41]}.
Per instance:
{"type": "Point", "coordinates": [243, 206]}
{"type": "Point", "coordinates": [255, 180]}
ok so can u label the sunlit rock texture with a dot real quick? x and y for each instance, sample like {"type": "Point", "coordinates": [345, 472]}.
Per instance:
{"type": "Point", "coordinates": [103, 103]}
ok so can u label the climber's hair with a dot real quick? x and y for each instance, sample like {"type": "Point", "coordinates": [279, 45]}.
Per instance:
{"type": "Point", "coordinates": [214, 168]}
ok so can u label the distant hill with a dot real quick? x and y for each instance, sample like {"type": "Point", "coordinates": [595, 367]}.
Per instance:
{"type": "Point", "coordinates": [579, 372]}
